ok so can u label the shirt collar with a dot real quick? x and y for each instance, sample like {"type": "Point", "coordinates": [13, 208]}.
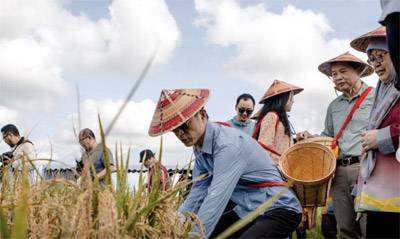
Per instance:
{"type": "Point", "coordinates": [239, 123]}
{"type": "Point", "coordinates": [208, 139]}
{"type": "Point", "coordinates": [360, 91]}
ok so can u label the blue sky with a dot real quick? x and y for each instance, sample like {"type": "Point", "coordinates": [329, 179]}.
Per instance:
{"type": "Point", "coordinates": [230, 47]}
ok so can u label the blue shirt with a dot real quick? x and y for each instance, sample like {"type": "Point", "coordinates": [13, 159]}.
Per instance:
{"type": "Point", "coordinates": [246, 127]}
{"type": "Point", "coordinates": [229, 155]}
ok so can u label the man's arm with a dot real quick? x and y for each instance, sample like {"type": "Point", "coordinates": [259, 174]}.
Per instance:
{"type": "Point", "coordinates": [328, 131]}
{"type": "Point", "coordinates": [198, 191]}
{"type": "Point", "coordinates": [102, 173]}
{"type": "Point", "coordinates": [228, 167]}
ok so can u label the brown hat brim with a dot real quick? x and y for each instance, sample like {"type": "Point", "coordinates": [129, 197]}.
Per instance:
{"type": "Point", "coordinates": [325, 67]}
{"type": "Point", "coordinates": [295, 92]}
{"type": "Point", "coordinates": [361, 43]}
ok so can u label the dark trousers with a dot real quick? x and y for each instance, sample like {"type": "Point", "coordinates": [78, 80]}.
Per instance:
{"type": "Point", "coordinates": [277, 223]}
{"type": "Point", "coordinates": [328, 226]}
{"type": "Point", "coordinates": [392, 23]}
{"type": "Point", "coordinates": [383, 225]}
{"type": "Point", "coordinates": [228, 218]}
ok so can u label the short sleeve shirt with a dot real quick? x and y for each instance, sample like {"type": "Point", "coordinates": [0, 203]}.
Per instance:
{"type": "Point", "coordinates": [97, 157]}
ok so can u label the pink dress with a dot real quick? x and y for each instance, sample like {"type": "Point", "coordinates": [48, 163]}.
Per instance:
{"type": "Point", "coordinates": [272, 133]}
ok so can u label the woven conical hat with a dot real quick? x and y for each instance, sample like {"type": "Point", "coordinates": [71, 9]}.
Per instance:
{"type": "Point", "coordinates": [361, 42]}
{"type": "Point", "coordinates": [279, 87]}
{"type": "Point", "coordinates": [175, 107]}
{"type": "Point", "coordinates": [345, 57]}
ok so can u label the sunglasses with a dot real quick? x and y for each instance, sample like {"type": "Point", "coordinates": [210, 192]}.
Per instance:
{"type": "Point", "coordinates": [248, 111]}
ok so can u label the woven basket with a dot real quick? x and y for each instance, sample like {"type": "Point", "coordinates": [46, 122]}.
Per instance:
{"type": "Point", "coordinates": [326, 141]}
{"type": "Point", "coordinates": [310, 166]}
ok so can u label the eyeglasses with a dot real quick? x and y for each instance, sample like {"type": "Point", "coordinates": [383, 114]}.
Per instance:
{"type": "Point", "coordinates": [248, 111]}
{"type": "Point", "coordinates": [82, 139]}
{"type": "Point", "coordinates": [376, 59]}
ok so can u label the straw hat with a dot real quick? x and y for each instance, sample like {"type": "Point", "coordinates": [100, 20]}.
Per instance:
{"type": "Point", "coordinates": [361, 42]}
{"type": "Point", "coordinates": [175, 107]}
{"type": "Point", "coordinates": [280, 87]}
{"type": "Point", "coordinates": [346, 57]}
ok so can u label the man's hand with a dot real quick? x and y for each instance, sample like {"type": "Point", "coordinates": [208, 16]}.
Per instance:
{"type": "Point", "coordinates": [369, 140]}
{"type": "Point", "coordinates": [182, 218]}
{"type": "Point", "coordinates": [303, 135]}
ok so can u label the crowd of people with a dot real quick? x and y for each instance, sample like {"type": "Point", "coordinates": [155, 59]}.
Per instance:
{"type": "Point", "coordinates": [241, 156]}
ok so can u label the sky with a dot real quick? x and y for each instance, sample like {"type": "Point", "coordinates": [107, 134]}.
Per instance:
{"type": "Point", "coordinates": [58, 54]}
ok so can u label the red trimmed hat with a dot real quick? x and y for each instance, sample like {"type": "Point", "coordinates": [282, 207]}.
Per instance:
{"type": "Point", "coordinates": [175, 107]}
{"type": "Point", "coordinates": [361, 43]}
{"type": "Point", "coordinates": [325, 67]}
{"type": "Point", "coordinates": [280, 87]}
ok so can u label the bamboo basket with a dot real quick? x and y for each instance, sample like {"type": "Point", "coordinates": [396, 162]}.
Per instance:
{"type": "Point", "coordinates": [310, 166]}
{"type": "Point", "coordinates": [326, 141]}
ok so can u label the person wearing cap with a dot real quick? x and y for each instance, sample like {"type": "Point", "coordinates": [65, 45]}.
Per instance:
{"type": "Point", "coordinates": [93, 153]}
{"type": "Point", "coordinates": [346, 118]}
{"type": "Point", "coordinates": [273, 128]}
{"type": "Point", "coordinates": [22, 150]}
{"type": "Point", "coordinates": [147, 157]}
{"type": "Point", "coordinates": [238, 173]}
{"type": "Point", "coordinates": [244, 109]}
{"type": "Point", "coordinates": [378, 188]}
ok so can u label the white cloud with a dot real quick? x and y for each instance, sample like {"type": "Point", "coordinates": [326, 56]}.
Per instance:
{"type": "Point", "coordinates": [7, 115]}
{"type": "Point", "coordinates": [288, 46]}
{"type": "Point", "coordinates": [40, 40]}
{"type": "Point", "coordinates": [130, 130]}
{"type": "Point", "coordinates": [28, 76]}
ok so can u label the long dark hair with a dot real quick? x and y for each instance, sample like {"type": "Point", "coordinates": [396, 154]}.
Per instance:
{"type": "Point", "coordinates": [278, 104]}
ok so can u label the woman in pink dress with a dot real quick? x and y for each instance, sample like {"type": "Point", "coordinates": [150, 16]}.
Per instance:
{"type": "Point", "coordinates": [273, 127]}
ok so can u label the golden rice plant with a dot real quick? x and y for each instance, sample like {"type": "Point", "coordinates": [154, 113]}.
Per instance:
{"type": "Point", "coordinates": [60, 208]}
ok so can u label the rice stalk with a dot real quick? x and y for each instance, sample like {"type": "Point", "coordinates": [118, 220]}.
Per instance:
{"type": "Point", "coordinates": [106, 154]}
{"type": "Point", "coordinates": [133, 90]}
{"type": "Point", "coordinates": [20, 225]}
{"type": "Point", "coordinates": [4, 228]}
{"type": "Point", "coordinates": [81, 219]}
{"type": "Point", "coordinates": [107, 215]}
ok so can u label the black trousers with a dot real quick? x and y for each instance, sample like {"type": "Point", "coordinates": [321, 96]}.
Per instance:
{"type": "Point", "coordinates": [392, 23]}
{"type": "Point", "coordinates": [329, 226]}
{"type": "Point", "coordinates": [277, 223]}
{"type": "Point", "coordinates": [383, 225]}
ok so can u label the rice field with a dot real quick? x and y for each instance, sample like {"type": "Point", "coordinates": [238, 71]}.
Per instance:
{"type": "Point", "coordinates": [62, 208]}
